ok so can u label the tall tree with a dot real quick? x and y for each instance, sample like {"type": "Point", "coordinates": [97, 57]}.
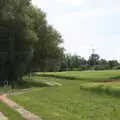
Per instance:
{"type": "Point", "coordinates": [28, 38]}
{"type": "Point", "coordinates": [112, 63]}
{"type": "Point", "coordinates": [70, 62]}
{"type": "Point", "coordinates": [20, 37]}
{"type": "Point", "coordinates": [47, 52]}
{"type": "Point", "coordinates": [93, 59]}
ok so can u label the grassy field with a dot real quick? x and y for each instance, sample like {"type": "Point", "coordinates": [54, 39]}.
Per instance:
{"type": "Point", "coordinates": [82, 96]}
{"type": "Point", "coordinates": [8, 112]}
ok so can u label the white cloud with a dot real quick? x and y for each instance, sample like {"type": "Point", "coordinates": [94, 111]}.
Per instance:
{"type": "Point", "coordinates": [72, 2]}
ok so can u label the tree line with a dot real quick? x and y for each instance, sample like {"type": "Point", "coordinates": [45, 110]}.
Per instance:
{"type": "Point", "coordinates": [78, 63]}
{"type": "Point", "coordinates": [27, 41]}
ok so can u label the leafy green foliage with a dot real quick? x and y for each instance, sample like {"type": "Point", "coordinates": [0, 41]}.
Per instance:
{"type": "Point", "coordinates": [78, 63]}
{"type": "Point", "coordinates": [72, 62]}
{"type": "Point", "coordinates": [93, 59]}
{"type": "Point", "coordinates": [14, 18]}
{"type": "Point", "coordinates": [28, 40]}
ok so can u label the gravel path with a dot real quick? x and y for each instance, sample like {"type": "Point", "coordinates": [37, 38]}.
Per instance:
{"type": "Point", "coordinates": [24, 113]}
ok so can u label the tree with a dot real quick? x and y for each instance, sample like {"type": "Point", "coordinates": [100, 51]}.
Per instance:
{"type": "Point", "coordinates": [93, 59]}
{"type": "Point", "coordinates": [20, 37]}
{"type": "Point", "coordinates": [73, 62]}
{"type": "Point", "coordinates": [103, 62]}
{"type": "Point", "coordinates": [47, 53]}
{"type": "Point", "coordinates": [78, 63]}
{"type": "Point", "coordinates": [28, 40]}
{"type": "Point", "coordinates": [112, 63]}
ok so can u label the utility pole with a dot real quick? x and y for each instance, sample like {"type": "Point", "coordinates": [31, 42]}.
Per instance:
{"type": "Point", "coordinates": [93, 50]}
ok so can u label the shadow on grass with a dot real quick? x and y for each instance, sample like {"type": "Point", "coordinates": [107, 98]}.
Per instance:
{"type": "Point", "coordinates": [111, 79]}
{"type": "Point", "coordinates": [62, 77]}
{"type": "Point", "coordinates": [22, 85]}
{"type": "Point", "coordinates": [30, 84]}
{"type": "Point", "coordinates": [115, 78]}
{"type": "Point", "coordinates": [102, 90]}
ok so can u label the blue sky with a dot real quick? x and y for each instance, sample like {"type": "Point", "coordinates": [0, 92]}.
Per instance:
{"type": "Point", "coordinates": [86, 24]}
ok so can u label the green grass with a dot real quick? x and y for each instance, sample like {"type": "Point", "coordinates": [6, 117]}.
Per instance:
{"type": "Point", "coordinates": [4, 89]}
{"type": "Point", "coordinates": [84, 75]}
{"type": "Point", "coordinates": [78, 99]}
{"type": "Point", "coordinates": [8, 112]}
{"type": "Point", "coordinates": [112, 88]}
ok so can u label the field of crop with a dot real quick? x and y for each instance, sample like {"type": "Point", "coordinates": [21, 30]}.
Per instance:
{"type": "Point", "coordinates": [86, 95]}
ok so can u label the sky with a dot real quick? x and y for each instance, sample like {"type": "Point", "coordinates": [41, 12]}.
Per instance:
{"type": "Point", "coordinates": [86, 24]}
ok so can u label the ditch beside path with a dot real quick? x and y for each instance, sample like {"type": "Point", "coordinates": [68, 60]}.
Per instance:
{"type": "Point", "coordinates": [24, 113]}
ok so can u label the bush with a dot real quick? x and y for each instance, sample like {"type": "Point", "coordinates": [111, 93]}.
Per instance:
{"type": "Point", "coordinates": [117, 67]}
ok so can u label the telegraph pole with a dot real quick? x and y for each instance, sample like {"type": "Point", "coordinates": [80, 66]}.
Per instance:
{"type": "Point", "coordinates": [93, 50]}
